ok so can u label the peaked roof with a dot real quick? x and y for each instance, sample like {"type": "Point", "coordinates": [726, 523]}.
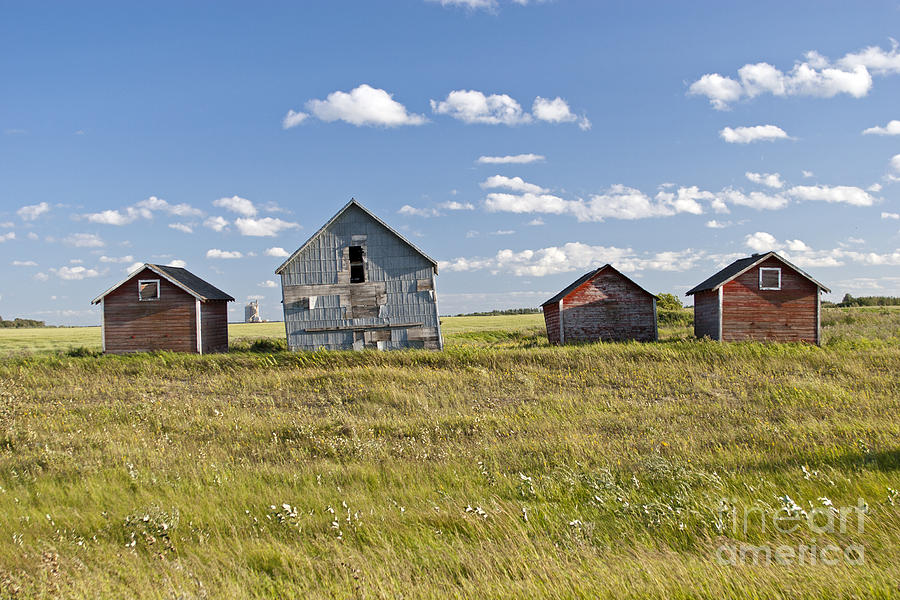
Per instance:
{"type": "Point", "coordinates": [354, 202]}
{"type": "Point", "coordinates": [587, 277]}
{"type": "Point", "coordinates": [179, 277]}
{"type": "Point", "coordinates": [742, 265]}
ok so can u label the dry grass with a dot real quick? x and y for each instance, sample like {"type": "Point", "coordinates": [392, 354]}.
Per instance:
{"type": "Point", "coordinates": [374, 475]}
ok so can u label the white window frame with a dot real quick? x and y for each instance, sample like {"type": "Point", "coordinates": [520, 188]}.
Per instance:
{"type": "Point", "coordinates": [777, 270]}
{"type": "Point", "coordinates": [141, 282]}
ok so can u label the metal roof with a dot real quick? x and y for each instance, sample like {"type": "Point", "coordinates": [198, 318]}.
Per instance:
{"type": "Point", "coordinates": [353, 202]}
{"type": "Point", "coordinates": [742, 265]}
{"type": "Point", "coordinates": [180, 277]}
{"type": "Point", "coordinates": [586, 277]}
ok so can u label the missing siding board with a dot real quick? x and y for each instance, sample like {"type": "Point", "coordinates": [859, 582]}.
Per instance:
{"type": "Point", "coordinates": [424, 285]}
{"type": "Point", "coordinates": [357, 264]}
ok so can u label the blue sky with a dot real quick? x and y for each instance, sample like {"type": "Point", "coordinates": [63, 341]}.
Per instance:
{"type": "Point", "coordinates": [520, 143]}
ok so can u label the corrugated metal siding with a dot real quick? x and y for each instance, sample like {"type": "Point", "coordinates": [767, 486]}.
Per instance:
{"type": "Point", "coordinates": [389, 261]}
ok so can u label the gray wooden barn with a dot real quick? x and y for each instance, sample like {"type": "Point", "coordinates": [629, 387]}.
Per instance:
{"type": "Point", "coordinates": [357, 283]}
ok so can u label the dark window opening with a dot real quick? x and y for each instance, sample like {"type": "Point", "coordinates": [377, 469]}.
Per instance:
{"type": "Point", "coordinates": [357, 266]}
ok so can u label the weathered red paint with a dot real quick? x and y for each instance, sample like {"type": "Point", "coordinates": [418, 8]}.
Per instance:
{"type": "Point", "coordinates": [608, 306]}
{"type": "Point", "coordinates": [790, 314]}
{"type": "Point", "coordinates": [167, 323]}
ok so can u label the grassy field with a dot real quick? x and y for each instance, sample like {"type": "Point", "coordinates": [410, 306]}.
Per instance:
{"type": "Point", "coordinates": [501, 467]}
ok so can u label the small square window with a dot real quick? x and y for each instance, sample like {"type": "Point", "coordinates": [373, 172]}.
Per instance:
{"type": "Point", "coordinates": [770, 278]}
{"type": "Point", "coordinates": [148, 289]}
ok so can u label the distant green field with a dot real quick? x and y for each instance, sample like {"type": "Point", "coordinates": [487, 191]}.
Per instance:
{"type": "Point", "coordinates": [493, 331]}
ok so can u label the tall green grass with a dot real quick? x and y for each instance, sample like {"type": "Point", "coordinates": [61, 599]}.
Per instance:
{"type": "Point", "coordinates": [501, 467]}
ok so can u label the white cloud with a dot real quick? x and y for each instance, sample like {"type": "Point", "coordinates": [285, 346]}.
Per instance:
{"type": "Point", "coordinates": [895, 163]}
{"type": "Point", "coordinates": [265, 227]}
{"type": "Point", "coordinates": [117, 259]}
{"type": "Point", "coordinates": [720, 90]}
{"type": "Point", "coordinates": [5, 237]}
{"type": "Point", "coordinates": [575, 256]}
{"type": "Point", "coordinates": [892, 128]}
{"type": "Point", "coordinates": [292, 119]}
{"type": "Point", "coordinates": [363, 105]}
{"type": "Point", "coordinates": [84, 240]}
{"type": "Point", "coordinates": [526, 203]}
{"type": "Point", "coordinates": [552, 111]}
{"type": "Point", "coordinates": [32, 235]}
{"type": "Point", "coordinates": [133, 267]}
{"type": "Point", "coordinates": [238, 205]}
{"type": "Point", "coordinates": [216, 223]}
{"type": "Point", "coordinates": [469, 4]}
{"type": "Point", "coordinates": [833, 194]}
{"type": "Point", "coordinates": [33, 211]}
{"type": "Point", "coordinates": [890, 215]}
{"type": "Point", "coordinates": [141, 210]}
{"type": "Point", "coordinates": [514, 159]}
{"type": "Point", "coordinates": [75, 273]}
{"type": "Point", "coordinates": [41, 276]}
{"type": "Point", "coordinates": [182, 227]}
{"type": "Point", "coordinates": [158, 204]}
{"type": "Point", "coordinates": [503, 232]}
{"type": "Point", "coordinates": [268, 283]}
{"type": "Point", "coordinates": [757, 133]}
{"type": "Point", "coordinates": [24, 263]}
{"type": "Point", "coordinates": [807, 174]}
{"type": "Point", "coordinates": [814, 76]}
{"type": "Point", "coordinates": [536, 222]}
{"type": "Point", "coordinates": [453, 205]}
{"type": "Point", "coordinates": [112, 217]}
{"type": "Point", "coordinates": [7, 224]}
{"type": "Point", "coordinates": [216, 253]}
{"type": "Point", "coordinates": [471, 106]}
{"type": "Point", "coordinates": [757, 200]}
{"type": "Point", "coordinates": [277, 252]}
{"type": "Point", "coordinates": [772, 180]}
{"type": "Point", "coordinates": [412, 211]}
{"type": "Point", "coordinates": [713, 224]}
{"type": "Point", "coordinates": [177, 263]}
{"type": "Point", "coordinates": [875, 188]}
{"type": "Point", "coordinates": [516, 184]}
{"type": "Point", "coordinates": [801, 254]}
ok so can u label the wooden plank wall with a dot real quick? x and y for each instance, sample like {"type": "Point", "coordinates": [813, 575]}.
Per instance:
{"type": "Point", "coordinates": [164, 324]}
{"type": "Point", "coordinates": [706, 314]}
{"type": "Point", "coordinates": [608, 307]}
{"type": "Point", "coordinates": [551, 320]}
{"type": "Point", "coordinates": [214, 326]}
{"type": "Point", "coordinates": [785, 315]}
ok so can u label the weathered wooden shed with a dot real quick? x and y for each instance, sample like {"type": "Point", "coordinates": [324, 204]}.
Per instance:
{"type": "Point", "coordinates": [159, 307]}
{"type": "Point", "coordinates": [760, 297]}
{"type": "Point", "coordinates": [357, 283]}
{"type": "Point", "coordinates": [601, 305]}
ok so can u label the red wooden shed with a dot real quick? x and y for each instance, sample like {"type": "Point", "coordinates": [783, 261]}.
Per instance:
{"type": "Point", "coordinates": [159, 307]}
{"type": "Point", "coordinates": [601, 305]}
{"type": "Point", "coordinates": [761, 297]}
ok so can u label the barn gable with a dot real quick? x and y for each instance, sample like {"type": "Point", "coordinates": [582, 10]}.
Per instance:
{"type": "Point", "coordinates": [355, 218]}
{"type": "Point", "coordinates": [357, 283]}
{"type": "Point", "coordinates": [741, 266]}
